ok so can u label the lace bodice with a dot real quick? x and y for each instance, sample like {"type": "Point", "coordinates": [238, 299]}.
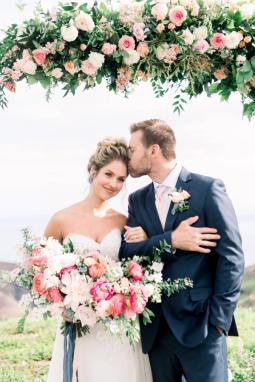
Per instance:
{"type": "Point", "coordinates": [109, 246]}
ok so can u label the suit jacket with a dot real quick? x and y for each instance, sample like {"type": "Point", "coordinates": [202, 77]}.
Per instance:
{"type": "Point", "coordinates": [216, 277]}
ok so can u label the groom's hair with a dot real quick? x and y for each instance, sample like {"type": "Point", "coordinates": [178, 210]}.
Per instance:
{"type": "Point", "coordinates": [156, 131]}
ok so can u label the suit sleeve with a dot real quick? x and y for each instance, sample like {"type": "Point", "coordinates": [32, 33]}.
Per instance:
{"type": "Point", "coordinates": [145, 247]}
{"type": "Point", "coordinates": [230, 259]}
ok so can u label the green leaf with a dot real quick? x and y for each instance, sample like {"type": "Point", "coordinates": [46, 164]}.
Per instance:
{"type": "Point", "coordinates": [31, 80]}
{"type": "Point", "coordinates": [68, 7]}
{"type": "Point", "coordinates": [252, 61]}
{"type": "Point", "coordinates": [246, 68]}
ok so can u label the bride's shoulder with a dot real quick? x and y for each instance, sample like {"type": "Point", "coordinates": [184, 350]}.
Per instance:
{"type": "Point", "coordinates": [119, 218]}
{"type": "Point", "coordinates": [58, 221]}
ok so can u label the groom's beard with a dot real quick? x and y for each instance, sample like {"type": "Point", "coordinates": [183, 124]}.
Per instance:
{"type": "Point", "coordinates": [137, 172]}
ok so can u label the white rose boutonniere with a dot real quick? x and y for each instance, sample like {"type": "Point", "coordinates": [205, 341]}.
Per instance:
{"type": "Point", "coordinates": [180, 199]}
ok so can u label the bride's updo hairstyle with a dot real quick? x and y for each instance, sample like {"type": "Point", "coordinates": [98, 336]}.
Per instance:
{"type": "Point", "coordinates": [108, 150]}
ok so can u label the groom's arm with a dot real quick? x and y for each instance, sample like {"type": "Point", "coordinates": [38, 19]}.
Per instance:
{"type": "Point", "coordinates": [230, 259]}
{"type": "Point", "coordinates": [145, 247]}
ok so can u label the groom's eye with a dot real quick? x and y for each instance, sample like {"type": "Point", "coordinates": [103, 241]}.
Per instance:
{"type": "Point", "coordinates": [108, 174]}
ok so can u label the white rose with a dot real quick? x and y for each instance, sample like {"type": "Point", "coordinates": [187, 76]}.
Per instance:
{"type": "Point", "coordinates": [161, 51]}
{"type": "Point", "coordinates": [200, 33]}
{"type": "Point", "coordinates": [133, 57]}
{"type": "Point", "coordinates": [96, 59]}
{"type": "Point", "coordinates": [57, 73]}
{"type": "Point", "coordinates": [247, 10]}
{"type": "Point", "coordinates": [187, 36]}
{"type": "Point", "coordinates": [84, 22]}
{"type": "Point", "coordinates": [69, 33]}
{"type": "Point", "coordinates": [157, 267]}
{"type": "Point", "coordinates": [240, 59]}
{"type": "Point", "coordinates": [233, 39]}
{"type": "Point", "coordinates": [148, 290]}
{"type": "Point", "coordinates": [29, 67]}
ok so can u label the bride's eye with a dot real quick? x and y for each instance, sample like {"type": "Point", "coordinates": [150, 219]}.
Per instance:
{"type": "Point", "coordinates": [108, 174]}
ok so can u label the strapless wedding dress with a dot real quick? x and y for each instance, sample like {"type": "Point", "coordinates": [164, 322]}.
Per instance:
{"type": "Point", "coordinates": [100, 356]}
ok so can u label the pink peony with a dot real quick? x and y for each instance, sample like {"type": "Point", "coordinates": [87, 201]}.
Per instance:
{"type": "Point", "coordinates": [101, 290]}
{"type": "Point", "coordinates": [54, 295]}
{"type": "Point", "coordinates": [108, 48]}
{"type": "Point", "coordinates": [126, 43]}
{"type": "Point", "coordinates": [142, 49]}
{"type": "Point", "coordinates": [66, 269]}
{"type": "Point", "coordinates": [135, 270]}
{"type": "Point", "coordinates": [201, 46]}
{"type": "Point", "coordinates": [117, 304]}
{"type": "Point", "coordinates": [137, 299]}
{"type": "Point", "coordinates": [39, 283]}
{"type": "Point", "coordinates": [97, 270]}
{"type": "Point", "coordinates": [218, 41]}
{"type": "Point", "coordinates": [177, 15]}
{"type": "Point", "coordinates": [39, 55]}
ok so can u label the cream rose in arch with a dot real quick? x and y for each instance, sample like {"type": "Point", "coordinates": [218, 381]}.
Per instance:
{"type": "Point", "coordinates": [69, 33]}
{"type": "Point", "coordinates": [159, 11]}
{"type": "Point", "coordinates": [187, 36]}
{"type": "Point", "coordinates": [84, 22]}
{"type": "Point", "coordinates": [133, 57]}
{"type": "Point", "coordinates": [96, 59]}
{"type": "Point", "coordinates": [233, 39]}
{"type": "Point", "coordinates": [161, 51]}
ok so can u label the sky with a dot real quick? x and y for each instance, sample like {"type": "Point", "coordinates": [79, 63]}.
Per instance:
{"type": "Point", "coordinates": [44, 147]}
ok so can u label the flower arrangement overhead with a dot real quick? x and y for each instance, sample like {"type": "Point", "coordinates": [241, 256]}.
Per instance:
{"type": "Point", "coordinates": [188, 46]}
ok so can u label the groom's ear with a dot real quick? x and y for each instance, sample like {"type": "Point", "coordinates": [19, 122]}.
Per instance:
{"type": "Point", "coordinates": [154, 149]}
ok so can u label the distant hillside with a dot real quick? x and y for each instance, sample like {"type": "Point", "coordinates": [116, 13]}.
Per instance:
{"type": "Point", "coordinates": [248, 287]}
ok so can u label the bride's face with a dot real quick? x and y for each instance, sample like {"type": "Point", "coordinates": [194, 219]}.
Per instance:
{"type": "Point", "coordinates": [110, 179]}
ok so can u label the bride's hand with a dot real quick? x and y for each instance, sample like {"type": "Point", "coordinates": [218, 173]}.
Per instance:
{"type": "Point", "coordinates": [134, 234]}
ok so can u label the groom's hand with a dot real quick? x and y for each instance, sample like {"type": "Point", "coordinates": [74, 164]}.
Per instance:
{"type": "Point", "coordinates": [188, 238]}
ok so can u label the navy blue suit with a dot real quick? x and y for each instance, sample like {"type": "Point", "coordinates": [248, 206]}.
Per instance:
{"type": "Point", "coordinates": [191, 314]}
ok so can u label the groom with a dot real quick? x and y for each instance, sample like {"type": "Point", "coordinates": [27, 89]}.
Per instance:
{"type": "Point", "coordinates": [187, 336]}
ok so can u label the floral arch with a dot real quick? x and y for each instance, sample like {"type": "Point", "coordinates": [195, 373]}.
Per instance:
{"type": "Point", "coordinates": [191, 45]}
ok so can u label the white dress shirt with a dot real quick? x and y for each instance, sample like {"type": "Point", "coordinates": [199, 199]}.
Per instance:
{"type": "Point", "coordinates": [170, 182]}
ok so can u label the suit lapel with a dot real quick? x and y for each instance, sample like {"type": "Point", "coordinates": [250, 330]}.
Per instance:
{"type": "Point", "coordinates": [152, 210]}
{"type": "Point", "coordinates": [183, 182]}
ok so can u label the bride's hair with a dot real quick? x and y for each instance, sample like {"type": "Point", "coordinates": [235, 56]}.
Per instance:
{"type": "Point", "coordinates": [107, 150]}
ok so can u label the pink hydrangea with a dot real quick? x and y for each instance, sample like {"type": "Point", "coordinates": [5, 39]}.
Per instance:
{"type": "Point", "coordinates": [101, 290]}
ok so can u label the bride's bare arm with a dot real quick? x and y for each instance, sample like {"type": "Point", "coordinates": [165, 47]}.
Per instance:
{"type": "Point", "coordinates": [54, 227]}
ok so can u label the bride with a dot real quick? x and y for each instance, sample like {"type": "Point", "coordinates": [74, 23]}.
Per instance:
{"type": "Point", "coordinates": [92, 225]}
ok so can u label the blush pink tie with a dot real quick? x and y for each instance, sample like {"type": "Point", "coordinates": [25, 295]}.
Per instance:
{"type": "Point", "coordinates": [160, 193]}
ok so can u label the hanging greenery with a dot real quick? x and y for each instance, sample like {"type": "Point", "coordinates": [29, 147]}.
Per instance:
{"type": "Point", "coordinates": [189, 46]}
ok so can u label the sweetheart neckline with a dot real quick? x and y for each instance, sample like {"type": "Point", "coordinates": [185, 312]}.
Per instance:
{"type": "Point", "coordinates": [90, 238]}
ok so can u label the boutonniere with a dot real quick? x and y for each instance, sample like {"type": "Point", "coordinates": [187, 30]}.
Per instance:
{"type": "Point", "coordinates": [180, 199]}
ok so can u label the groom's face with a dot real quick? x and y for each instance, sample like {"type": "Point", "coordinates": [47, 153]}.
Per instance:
{"type": "Point", "coordinates": [139, 158]}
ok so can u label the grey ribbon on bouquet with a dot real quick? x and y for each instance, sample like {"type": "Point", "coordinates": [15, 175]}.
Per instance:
{"type": "Point", "coordinates": [69, 345]}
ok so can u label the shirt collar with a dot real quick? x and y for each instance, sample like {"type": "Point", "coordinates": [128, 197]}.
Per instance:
{"type": "Point", "coordinates": [171, 179]}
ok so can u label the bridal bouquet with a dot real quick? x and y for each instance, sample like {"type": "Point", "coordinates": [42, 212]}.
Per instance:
{"type": "Point", "coordinates": [88, 288]}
